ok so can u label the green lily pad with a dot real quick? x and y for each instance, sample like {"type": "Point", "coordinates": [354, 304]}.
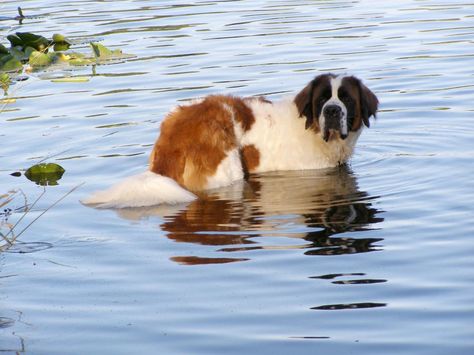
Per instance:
{"type": "Point", "coordinates": [102, 52]}
{"type": "Point", "coordinates": [61, 42]}
{"type": "Point", "coordinates": [3, 49]}
{"type": "Point", "coordinates": [45, 174]}
{"type": "Point", "coordinates": [61, 47]}
{"type": "Point", "coordinates": [73, 79]}
{"type": "Point", "coordinates": [27, 39]}
{"type": "Point", "coordinates": [59, 38]}
{"type": "Point", "coordinates": [9, 63]}
{"type": "Point", "coordinates": [39, 59]}
{"type": "Point", "coordinates": [19, 53]}
{"type": "Point", "coordinates": [15, 40]}
{"type": "Point", "coordinates": [81, 61]}
{"type": "Point", "coordinates": [5, 82]}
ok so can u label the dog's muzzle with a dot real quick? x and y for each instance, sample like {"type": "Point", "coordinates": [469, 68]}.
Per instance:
{"type": "Point", "coordinates": [333, 115]}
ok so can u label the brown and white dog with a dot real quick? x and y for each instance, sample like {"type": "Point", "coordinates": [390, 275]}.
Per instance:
{"type": "Point", "coordinates": [215, 141]}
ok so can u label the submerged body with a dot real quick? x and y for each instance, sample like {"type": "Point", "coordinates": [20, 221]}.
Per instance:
{"type": "Point", "coordinates": [215, 141]}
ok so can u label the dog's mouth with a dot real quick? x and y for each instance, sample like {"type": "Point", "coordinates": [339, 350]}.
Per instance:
{"type": "Point", "coordinates": [333, 134]}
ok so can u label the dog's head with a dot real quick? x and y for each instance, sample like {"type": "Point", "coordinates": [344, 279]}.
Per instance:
{"type": "Point", "coordinates": [336, 105]}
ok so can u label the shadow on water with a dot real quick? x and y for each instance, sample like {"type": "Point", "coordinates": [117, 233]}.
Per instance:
{"type": "Point", "coordinates": [313, 211]}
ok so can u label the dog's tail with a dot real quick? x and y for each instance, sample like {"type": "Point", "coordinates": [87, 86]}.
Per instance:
{"type": "Point", "coordinates": [145, 189]}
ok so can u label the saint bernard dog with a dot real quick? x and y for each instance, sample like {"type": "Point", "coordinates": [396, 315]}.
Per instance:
{"type": "Point", "coordinates": [215, 141]}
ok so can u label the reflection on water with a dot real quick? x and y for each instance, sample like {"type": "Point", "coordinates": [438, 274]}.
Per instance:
{"type": "Point", "coordinates": [315, 208]}
{"type": "Point", "coordinates": [280, 260]}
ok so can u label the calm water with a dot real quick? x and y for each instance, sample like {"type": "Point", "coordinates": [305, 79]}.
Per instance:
{"type": "Point", "coordinates": [375, 258]}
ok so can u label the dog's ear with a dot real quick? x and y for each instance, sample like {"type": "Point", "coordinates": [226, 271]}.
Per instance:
{"type": "Point", "coordinates": [307, 100]}
{"type": "Point", "coordinates": [368, 103]}
{"type": "Point", "coordinates": [304, 102]}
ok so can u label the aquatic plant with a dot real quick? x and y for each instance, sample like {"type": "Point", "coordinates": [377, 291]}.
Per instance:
{"type": "Point", "coordinates": [29, 51]}
{"type": "Point", "coordinates": [8, 231]}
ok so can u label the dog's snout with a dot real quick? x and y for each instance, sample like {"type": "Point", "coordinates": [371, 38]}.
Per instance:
{"type": "Point", "coordinates": [331, 111]}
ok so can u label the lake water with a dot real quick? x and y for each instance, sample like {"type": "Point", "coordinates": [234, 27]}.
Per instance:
{"type": "Point", "coordinates": [374, 258]}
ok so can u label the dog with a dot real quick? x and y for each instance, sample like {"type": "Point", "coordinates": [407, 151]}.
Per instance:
{"type": "Point", "coordinates": [217, 140]}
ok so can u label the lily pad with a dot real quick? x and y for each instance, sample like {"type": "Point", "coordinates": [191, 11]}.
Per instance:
{"type": "Point", "coordinates": [19, 53]}
{"type": "Point", "coordinates": [27, 39]}
{"type": "Point", "coordinates": [45, 174]}
{"type": "Point", "coordinates": [61, 42]}
{"type": "Point", "coordinates": [81, 61]}
{"type": "Point", "coordinates": [59, 38]}
{"type": "Point", "coordinates": [9, 63]}
{"type": "Point", "coordinates": [71, 79]}
{"type": "Point", "coordinates": [3, 49]}
{"type": "Point", "coordinates": [102, 52]}
{"type": "Point", "coordinates": [61, 47]}
{"type": "Point", "coordinates": [5, 82]}
{"type": "Point", "coordinates": [39, 59]}
{"type": "Point", "coordinates": [35, 52]}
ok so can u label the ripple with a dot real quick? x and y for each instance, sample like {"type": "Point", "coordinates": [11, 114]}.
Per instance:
{"type": "Point", "coordinates": [6, 322]}
{"type": "Point", "coordinates": [345, 306]}
{"type": "Point", "coordinates": [28, 247]}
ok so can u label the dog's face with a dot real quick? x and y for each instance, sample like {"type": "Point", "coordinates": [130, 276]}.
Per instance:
{"type": "Point", "coordinates": [336, 105]}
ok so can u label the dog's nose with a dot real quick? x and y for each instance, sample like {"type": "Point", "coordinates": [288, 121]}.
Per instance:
{"type": "Point", "coordinates": [331, 111]}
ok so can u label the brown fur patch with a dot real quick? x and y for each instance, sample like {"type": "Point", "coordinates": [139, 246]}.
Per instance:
{"type": "Point", "coordinates": [365, 100]}
{"type": "Point", "coordinates": [307, 100]}
{"type": "Point", "coordinates": [250, 158]}
{"type": "Point", "coordinates": [351, 87]}
{"type": "Point", "coordinates": [242, 113]}
{"type": "Point", "coordinates": [195, 139]}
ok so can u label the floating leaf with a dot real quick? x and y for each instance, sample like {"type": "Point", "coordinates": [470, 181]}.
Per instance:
{"type": "Point", "coordinates": [27, 39]}
{"type": "Point", "coordinates": [59, 38]}
{"type": "Point", "coordinates": [61, 43]}
{"type": "Point", "coordinates": [60, 47]}
{"type": "Point", "coordinates": [39, 59]}
{"type": "Point", "coordinates": [73, 79]}
{"type": "Point", "coordinates": [32, 49]}
{"type": "Point", "coordinates": [45, 173]}
{"type": "Point", "coordinates": [7, 101]}
{"type": "Point", "coordinates": [9, 63]}
{"type": "Point", "coordinates": [78, 61]}
{"type": "Point", "coordinates": [15, 40]}
{"type": "Point", "coordinates": [19, 53]}
{"type": "Point", "coordinates": [102, 52]}
{"type": "Point", "coordinates": [4, 82]}
{"type": "Point", "coordinates": [3, 49]}
{"type": "Point", "coordinates": [61, 57]}
{"type": "Point", "coordinates": [28, 51]}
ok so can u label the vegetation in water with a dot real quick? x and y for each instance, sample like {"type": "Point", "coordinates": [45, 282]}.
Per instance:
{"type": "Point", "coordinates": [45, 173]}
{"type": "Point", "coordinates": [16, 202]}
{"type": "Point", "coordinates": [30, 52]}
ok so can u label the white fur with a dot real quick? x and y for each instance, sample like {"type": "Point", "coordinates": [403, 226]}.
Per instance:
{"type": "Point", "coordinates": [145, 189]}
{"type": "Point", "coordinates": [228, 171]}
{"type": "Point", "coordinates": [284, 144]}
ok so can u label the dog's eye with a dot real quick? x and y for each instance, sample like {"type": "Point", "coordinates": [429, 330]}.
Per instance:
{"type": "Point", "coordinates": [344, 96]}
{"type": "Point", "coordinates": [325, 96]}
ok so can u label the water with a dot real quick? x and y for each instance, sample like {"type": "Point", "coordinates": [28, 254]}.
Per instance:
{"type": "Point", "coordinates": [369, 259]}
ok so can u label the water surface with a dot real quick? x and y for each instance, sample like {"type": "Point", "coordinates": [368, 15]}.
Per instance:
{"type": "Point", "coordinates": [371, 258]}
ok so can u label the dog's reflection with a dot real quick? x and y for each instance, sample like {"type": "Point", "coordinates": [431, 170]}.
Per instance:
{"type": "Point", "coordinates": [312, 206]}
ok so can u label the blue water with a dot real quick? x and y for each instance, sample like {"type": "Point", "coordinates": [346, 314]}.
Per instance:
{"type": "Point", "coordinates": [374, 258]}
